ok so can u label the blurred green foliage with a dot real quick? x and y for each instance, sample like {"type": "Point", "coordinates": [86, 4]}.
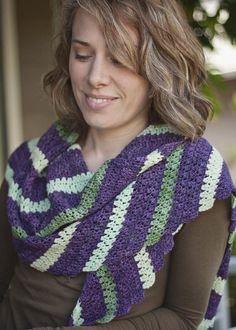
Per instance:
{"type": "Point", "coordinates": [207, 25]}
{"type": "Point", "coordinates": [234, 102]}
{"type": "Point", "coordinates": [214, 83]}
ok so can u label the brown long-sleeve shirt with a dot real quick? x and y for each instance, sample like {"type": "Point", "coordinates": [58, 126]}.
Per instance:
{"type": "Point", "coordinates": [178, 299]}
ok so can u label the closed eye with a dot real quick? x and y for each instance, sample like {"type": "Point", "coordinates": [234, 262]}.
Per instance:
{"type": "Point", "coordinates": [82, 58]}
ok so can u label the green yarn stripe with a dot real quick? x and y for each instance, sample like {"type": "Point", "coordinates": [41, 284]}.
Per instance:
{"type": "Point", "coordinates": [157, 129]}
{"type": "Point", "coordinates": [65, 135]}
{"type": "Point", "coordinates": [109, 293]}
{"type": "Point", "coordinates": [112, 230]}
{"type": "Point", "coordinates": [18, 232]}
{"type": "Point", "coordinates": [163, 207]}
{"type": "Point", "coordinates": [75, 214]}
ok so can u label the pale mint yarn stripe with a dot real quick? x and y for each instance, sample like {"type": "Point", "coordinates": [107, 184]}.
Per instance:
{"type": "Point", "coordinates": [56, 250]}
{"type": "Point", "coordinates": [218, 285]}
{"type": "Point", "coordinates": [177, 230]}
{"type": "Point", "coordinates": [76, 315]}
{"type": "Point", "coordinates": [232, 237]}
{"type": "Point", "coordinates": [112, 230]}
{"type": "Point", "coordinates": [69, 185]}
{"type": "Point", "coordinates": [75, 214]}
{"type": "Point", "coordinates": [157, 129]}
{"type": "Point", "coordinates": [74, 146]}
{"type": "Point", "coordinates": [13, 191]}
{"type": "Point", "coordinates": [109, 293]}
{"type": "Point", "coordinates": [25, 204]}
{"type": "Point", "coordinates": [145, 268]}
{"type": "Point", "coordinates": [37, 157]}
{"type": "Point", "coordinates": [74, 185]}
{"type": "Point", "coordinates": [152, 159]}
{"type": "Point", "coordinates": [233, 201]}
{"type": "Point", "coordinates": [32, 144]}
{"type": "Point", "coordinates": [164, 201]}
{"type": "Point", "coordinates": [210, 181]}
{"type": "Point", "coordinates": [206, 324]}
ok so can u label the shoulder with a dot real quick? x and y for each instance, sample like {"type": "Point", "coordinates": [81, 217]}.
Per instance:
{"type": "Point", "coordinates": [23, 152]}
{"type": "Point", "coordinates": [19, 162]}
{"type": "Point", "coordinates": [208, 173]}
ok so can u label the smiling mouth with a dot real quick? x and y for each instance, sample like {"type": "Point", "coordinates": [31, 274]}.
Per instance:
{"type": "Point", "coordinates": [98, 102]}
{"type": "Point", "coordinates": [101, 97]}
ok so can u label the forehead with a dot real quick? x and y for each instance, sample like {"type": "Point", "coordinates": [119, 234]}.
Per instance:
{"type": "Point", "coordinates": [87, 25]}
{"type": "Point", "coordinates": [84, 22]}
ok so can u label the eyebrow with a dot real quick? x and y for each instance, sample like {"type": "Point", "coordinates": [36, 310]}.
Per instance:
{"type": "Point", "coordinates": [81, 42]}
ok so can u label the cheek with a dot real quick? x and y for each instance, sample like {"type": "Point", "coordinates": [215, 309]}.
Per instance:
{"type": "Point", "coordinates": [77, 72]}
{"type": "Point", "coordinates": [133, 84]}
{"type": "Point", "coordinates": [139, 90]}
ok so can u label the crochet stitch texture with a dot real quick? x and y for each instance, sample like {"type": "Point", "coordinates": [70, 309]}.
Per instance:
{"type": "Point", "coordinates": [118, 223]}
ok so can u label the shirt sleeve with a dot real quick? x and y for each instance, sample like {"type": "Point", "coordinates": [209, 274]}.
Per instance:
{"type": "Point", "coordinates": [195, 259]}
{"type": "Point", "coordinates": [8, 254]}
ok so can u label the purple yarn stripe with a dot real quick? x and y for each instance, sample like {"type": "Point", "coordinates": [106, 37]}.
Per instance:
{"type": "Point", "coordinates": [73, 165]}
{"type": "Point", "coordinates": [128, 284]}
{"type": "Point", "coordinates": [225, 187]}
{"type": "Point", "coordinates": [138, 218]}
{"type": "Point", "coordinates": [18, 161]}
{"type": "Point", "coordinates": [213, 305]}
{"type": "Point", "coordinates": [158, 251]}
{"type": "Point", "coordinates": [93, 305]}
{"type": "Point", "coordinates": [197, 169]}
{"type": "Point", "coordinates": [73, 265]}
{"type": "Point", "coordinates": [223, 270]}
{"type": "Point", "coordinates": [51, 144]}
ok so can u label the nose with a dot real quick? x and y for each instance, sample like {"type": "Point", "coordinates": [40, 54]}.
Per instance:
{"type": "Point", "coordinates": [99, 73]}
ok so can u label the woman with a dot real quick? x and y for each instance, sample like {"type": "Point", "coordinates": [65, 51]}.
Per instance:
{"type": "Point", "coordinates": [121, 214]}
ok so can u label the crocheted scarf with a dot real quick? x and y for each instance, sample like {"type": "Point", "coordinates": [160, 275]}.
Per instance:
{"type": "Point", "coordinates": [118, 223]}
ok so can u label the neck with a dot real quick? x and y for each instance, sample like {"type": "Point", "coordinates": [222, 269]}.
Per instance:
{"type": "Point", "coordinates": [107, 144]}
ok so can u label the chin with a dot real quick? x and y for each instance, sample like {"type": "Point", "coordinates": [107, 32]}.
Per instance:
{"type": "Point", "coordinates": [97, 123]}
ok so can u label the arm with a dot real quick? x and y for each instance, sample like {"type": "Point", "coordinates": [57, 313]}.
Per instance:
{"type": "Point", "coordinates": [8, 254]}
{"type": "Point", "coordinates": [198, 251]}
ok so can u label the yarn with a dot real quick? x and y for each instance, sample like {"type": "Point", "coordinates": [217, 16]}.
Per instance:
{"type": "Point", "coordinates": [118, 223]}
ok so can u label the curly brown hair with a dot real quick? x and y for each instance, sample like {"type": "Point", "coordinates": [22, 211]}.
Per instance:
{"type": "Point", "coordinates": [169, 57]}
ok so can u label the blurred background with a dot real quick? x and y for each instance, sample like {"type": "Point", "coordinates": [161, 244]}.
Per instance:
{"type": "Point", "coordinates": [26, 31]}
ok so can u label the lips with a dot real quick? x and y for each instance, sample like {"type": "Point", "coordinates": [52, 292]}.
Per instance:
{"type": "Point", "coordinates": [99, 101]}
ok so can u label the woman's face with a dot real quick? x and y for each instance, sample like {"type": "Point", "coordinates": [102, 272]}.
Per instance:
{"type": "Point", "coordinates": [109, 95]}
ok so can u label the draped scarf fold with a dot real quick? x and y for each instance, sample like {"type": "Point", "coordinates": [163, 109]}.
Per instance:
{"type": "Point", "coordinates": [118, 223]}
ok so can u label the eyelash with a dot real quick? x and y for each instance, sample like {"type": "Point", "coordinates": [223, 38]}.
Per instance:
{"type": "Point", "coordinates": [84, 58]}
